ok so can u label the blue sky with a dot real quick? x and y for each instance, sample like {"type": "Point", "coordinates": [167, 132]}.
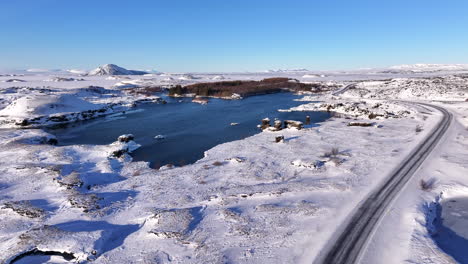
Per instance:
{"type": "Point", "coordinates": [237, 35]}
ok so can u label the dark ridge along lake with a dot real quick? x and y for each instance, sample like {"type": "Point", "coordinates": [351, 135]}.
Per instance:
{"type": "Point", "coordinates": [189, 129]}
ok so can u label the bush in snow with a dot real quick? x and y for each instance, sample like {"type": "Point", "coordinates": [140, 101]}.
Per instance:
{"type": "Point", "coordinates": [332, 153]}
{"type": "Point", "coordinates": [427, 185]}
{"type": "Point", "coordinates": [418, 128]}
{"type": "Point", "coordinates": [24, 208]}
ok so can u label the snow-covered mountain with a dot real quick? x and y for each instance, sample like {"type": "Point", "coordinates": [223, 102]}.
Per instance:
{"type": "Point", "coordinates": [112, 69]}
{"type": "Point", "coordinates": [429, 67]}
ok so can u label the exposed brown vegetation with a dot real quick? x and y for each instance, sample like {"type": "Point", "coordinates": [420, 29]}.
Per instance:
{"type": "Point", "coordinates": [332, 153]}
{"type": "Point", "coordinates": [427, 185]}
{"type": "Point", "coordinates": [245, 88]}
{"type": "Point", "coordinates": [279, 139]}
{"type": "Point", "coordinates": [217, 163]}
{"type": "Point", "coordinates": [418, 128]}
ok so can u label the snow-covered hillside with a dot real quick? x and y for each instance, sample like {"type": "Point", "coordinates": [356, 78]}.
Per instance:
{"type": "Point", "coordinates": [427, 88]}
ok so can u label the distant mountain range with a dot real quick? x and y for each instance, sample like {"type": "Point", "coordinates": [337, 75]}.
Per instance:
{"type": "Point", "coordinates": [112, 69]}
{"type": "Point", "coordinates": [287, 70]}
{"type": "Point", "coordinates": [429, 67]}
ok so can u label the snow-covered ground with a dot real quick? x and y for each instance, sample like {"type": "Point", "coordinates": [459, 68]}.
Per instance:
{"type": "Point", "coordinates": [247, 201]}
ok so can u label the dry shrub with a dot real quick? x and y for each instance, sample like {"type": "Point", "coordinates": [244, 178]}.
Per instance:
{"type": "Point", "coordinates": [418, 128]}
{"type": "Point", "coordinates": [332, 153]}
{"type": "Point", "coordinates": [427, 185]}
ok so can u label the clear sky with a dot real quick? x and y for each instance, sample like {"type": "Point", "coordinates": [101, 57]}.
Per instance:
{"type": "Point", "coordinates": [231, 35]}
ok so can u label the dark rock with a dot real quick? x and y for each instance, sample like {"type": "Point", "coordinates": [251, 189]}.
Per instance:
{"type": "Point", "coordinates": [279, 139]}
{"type": "Point", "coordinates": [58, 118]}
{"type": "Point", "coordinates": [119, 153]}
{"type": "Point", "coordinates": [293, 123]}
{"type": "Point", "coordinates": [71, 181]}
{"type": "Point", "coordinates": [52, 141]}
{"type": "Point", "coordinates": [361, 124]}
{"type": "Point", "coordinates": [24, 122]}
{"type": "Point", "coordinates": [265, 123]}
{"type": "Point", "coordinates": [36, 252]}
{"type": "Point", "coordinates": [278, 125]}
{"type": "Point", "coordinates": [126, 138]}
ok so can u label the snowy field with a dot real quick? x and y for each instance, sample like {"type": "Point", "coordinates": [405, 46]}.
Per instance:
{"type": "Point", "coordinates": [247, 201]}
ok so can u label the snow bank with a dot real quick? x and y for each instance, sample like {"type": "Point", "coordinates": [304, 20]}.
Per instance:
{"type": "Point", "coordinates": [359, 109]}
{"type": "Point", "coordinates": [33, 106]}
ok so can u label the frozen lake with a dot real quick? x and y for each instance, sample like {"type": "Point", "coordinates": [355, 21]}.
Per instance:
{"type": "Point", "coordinates": [189, 129]}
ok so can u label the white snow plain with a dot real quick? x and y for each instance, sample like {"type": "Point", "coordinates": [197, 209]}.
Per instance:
{"type": "Point", "coordinates": [247, 201]}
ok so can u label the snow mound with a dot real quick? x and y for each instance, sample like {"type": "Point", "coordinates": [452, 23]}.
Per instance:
{"type": "Point", "coordinates": [159, 137]}
{"type": "Point", "coordinates": [128, 84]}
{"type": "Point", "coordinates": [187, 77]}
{"type": "Point", "coordinates": [360, 109]}
{"type": "Point", "coordinates": [14, 80]}
{"type": "Point", "coordinates": [39, 105]}
{"type": "Point", "coordinates": [74, 71]}
{"type": "Point", "coordinates": [310, 76]}
{"type": "Point", "coordinates": [168, 79]}
{"type": "Point", "coordinates": [37, 70]}
{"type": "Point", "coordinates": [218, 77]}
{"type": "Point", "coordinates": [112, 69]}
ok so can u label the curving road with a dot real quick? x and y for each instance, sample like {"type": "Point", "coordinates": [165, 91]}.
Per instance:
{"type": "Point", "coordinates": [349, 244]}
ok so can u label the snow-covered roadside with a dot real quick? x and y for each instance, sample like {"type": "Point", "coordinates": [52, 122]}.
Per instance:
{"type": "Point", "coordinates": [248, 201]}
{"type": "Point", "coordinates": [407, 232]}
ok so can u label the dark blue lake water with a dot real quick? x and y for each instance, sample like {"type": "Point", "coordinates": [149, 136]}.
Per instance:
{"type": "Point", "coordinates": [189, 128]}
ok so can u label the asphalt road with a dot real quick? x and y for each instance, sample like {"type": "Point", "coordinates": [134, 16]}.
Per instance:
{"type": "Point", "coordinates": [347, 87]}
{"type": "Point", "coordinates": [347, 247]}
